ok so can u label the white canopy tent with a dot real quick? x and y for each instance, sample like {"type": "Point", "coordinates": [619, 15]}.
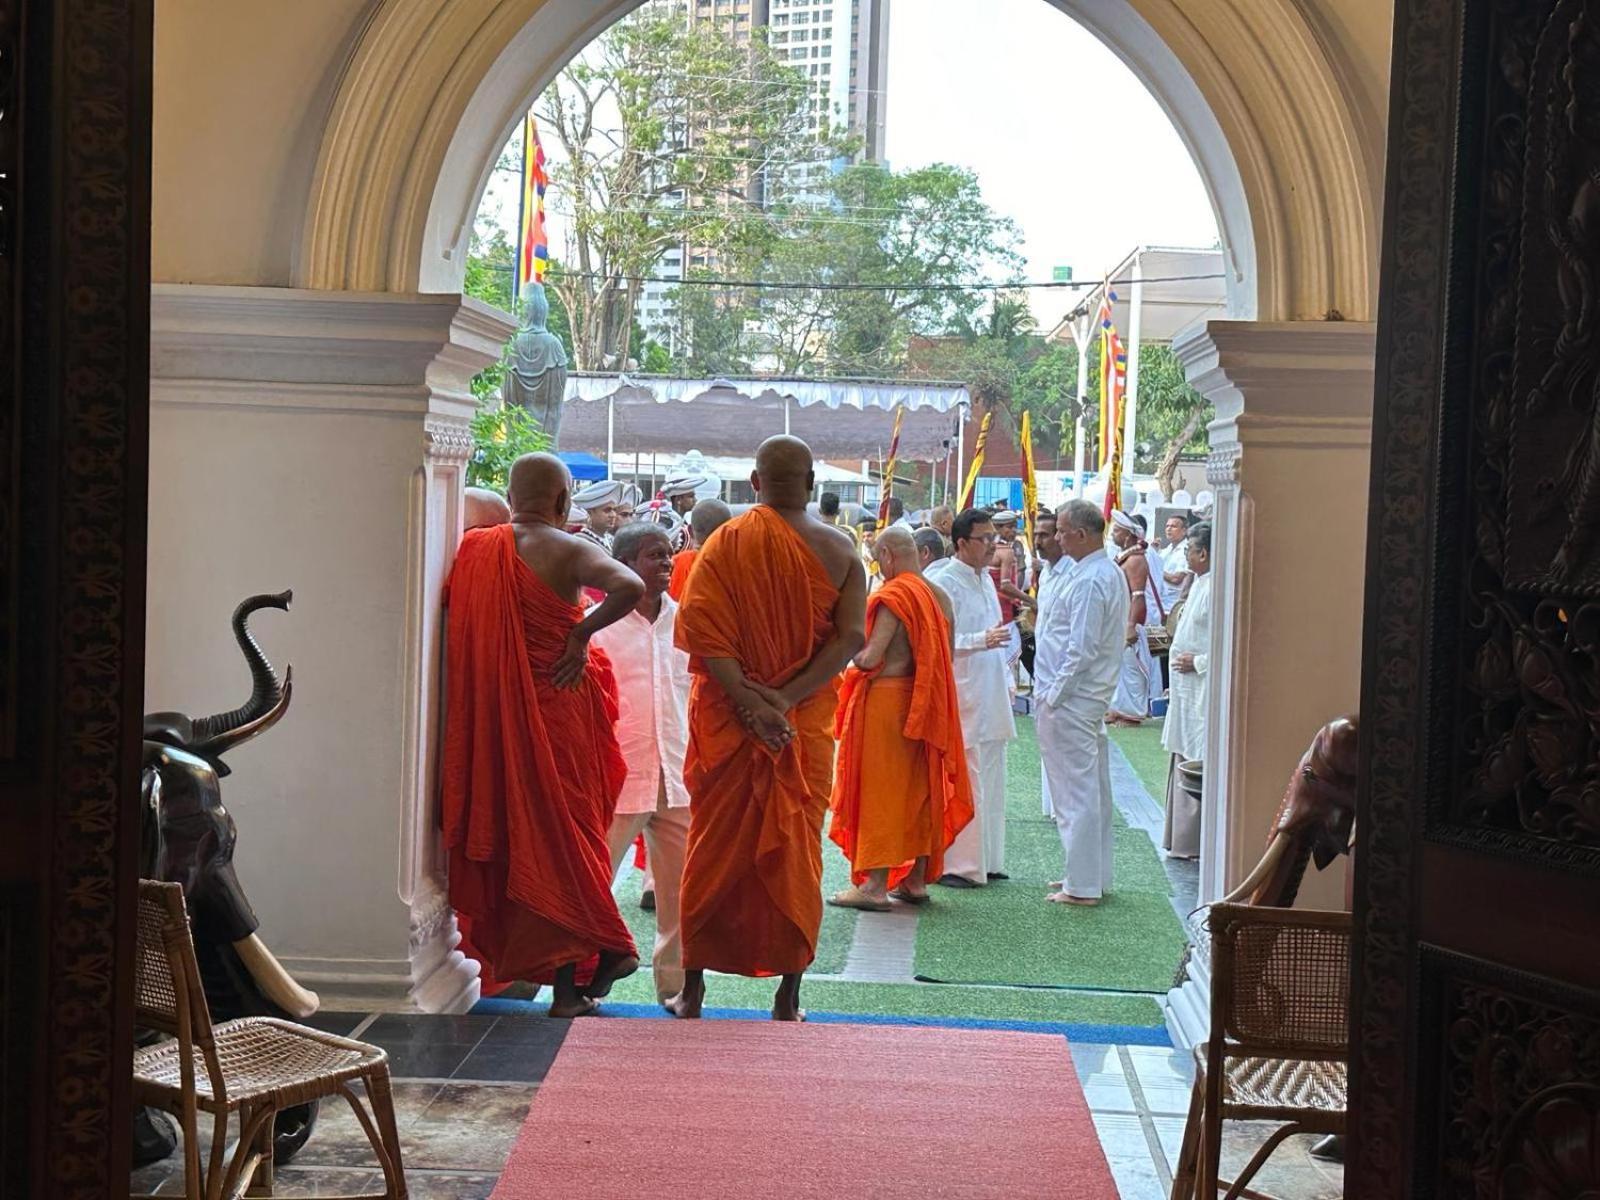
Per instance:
{"type": "Point", "coordinates": [845, 420]}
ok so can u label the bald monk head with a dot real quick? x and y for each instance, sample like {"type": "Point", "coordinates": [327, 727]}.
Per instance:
{"type": "Point", "coordinates": [896, 552]}
{"type": "Point", "coordinates": [540, 490]}
{"type": "Point", "coordinates": [485, 509]}
{"type": "Point", "coordinates": [706, 518]}
{"type": "Point", "coordinates": [783, 478]}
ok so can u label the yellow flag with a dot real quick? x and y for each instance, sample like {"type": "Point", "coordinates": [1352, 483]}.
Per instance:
{"type": "Point", "coordinates": [977, 462]}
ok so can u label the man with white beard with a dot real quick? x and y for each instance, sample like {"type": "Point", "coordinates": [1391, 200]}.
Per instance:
{"type": "Point", "coordinates": [1184, 734]}
{"type": "Point", "coordinates": [983, 688]}
{"type": "Point", "coordinates": [1081, 635]}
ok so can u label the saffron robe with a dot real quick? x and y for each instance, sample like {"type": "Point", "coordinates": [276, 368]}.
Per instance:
{"type": "Point", "coordinates": [752, 875]}
{"type": "Point", "coordinates": [682, 563]}
{"type": "Point", "coordinates": [902, 790]}
{"type": "Point", "coordinates": [530, 773]}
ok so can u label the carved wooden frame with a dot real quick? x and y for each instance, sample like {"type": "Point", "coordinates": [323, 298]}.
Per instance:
{"type": "Point", "coordinates": [74, 319]}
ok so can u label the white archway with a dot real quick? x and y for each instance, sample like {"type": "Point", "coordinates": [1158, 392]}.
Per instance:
{"type": "Point", "coordinates": [430, 96]}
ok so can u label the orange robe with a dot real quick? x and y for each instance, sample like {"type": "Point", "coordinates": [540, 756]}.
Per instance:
{"type": "Point", "coordinates": [530, 773]}
{"type": "Point", "coordinates": [752, 876]}
{"type": "Point", "coordinates": [902, 789]}
{"type": "Point", "coordinates": [682, 563]}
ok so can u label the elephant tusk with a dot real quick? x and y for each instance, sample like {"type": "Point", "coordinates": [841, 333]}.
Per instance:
{"type": "Point", "coordinates": [1276, 849]}
{"type": "Point", "coordinates": [274, 981]}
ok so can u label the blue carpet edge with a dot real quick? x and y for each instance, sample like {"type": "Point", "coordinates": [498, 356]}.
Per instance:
{"type": "Point", "coordinates": [1073, 1031]}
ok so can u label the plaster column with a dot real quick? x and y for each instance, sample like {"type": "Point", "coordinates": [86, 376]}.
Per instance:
{"type": "Point", "coordinates": [317, 441]}
{"type": "Point", "coordinates": [1289, 464]}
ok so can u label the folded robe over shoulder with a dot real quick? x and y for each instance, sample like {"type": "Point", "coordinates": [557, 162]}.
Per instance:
{"type": "Point", "coordinates": [752, 877]}
{"type": "Point", "coordinates": [530, 773]}
{"type": "Point", "coordinates": [902, 789]}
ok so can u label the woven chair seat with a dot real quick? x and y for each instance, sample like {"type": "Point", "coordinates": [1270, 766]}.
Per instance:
{"type": "Point", "coordinates": [1284, 1083]}
{"type": "Point", "coordinates": [262, 1059]}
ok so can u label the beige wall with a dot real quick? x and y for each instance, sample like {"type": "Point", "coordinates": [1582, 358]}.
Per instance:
{"type": "Point", "coordinates": [241, 94]}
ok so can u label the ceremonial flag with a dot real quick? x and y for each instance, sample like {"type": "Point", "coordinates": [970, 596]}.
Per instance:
{"type": "Point", "coordinates": [1113, 388]}
{"type": "Point", "coordinates": [1030, 483]}
{"type": "Point", "coordinates": [533, 245]}
{"type": "Point", "coordinates": [889, 468]}
{"type": "Point", "coordinates": [977, 462]}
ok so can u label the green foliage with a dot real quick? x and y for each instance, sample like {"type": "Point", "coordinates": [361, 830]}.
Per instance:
{"type": "Point", "coordinates": [500, 436]}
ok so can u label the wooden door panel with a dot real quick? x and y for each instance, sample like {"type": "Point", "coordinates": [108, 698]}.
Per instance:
{"type": "Point", "coordinates": [1477, 991]}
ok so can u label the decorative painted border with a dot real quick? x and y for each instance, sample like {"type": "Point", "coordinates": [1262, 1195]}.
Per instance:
{"type": "Point", "coordinates": [93, 268]}
{"type": "Point", "coordinates": [1400, 542]}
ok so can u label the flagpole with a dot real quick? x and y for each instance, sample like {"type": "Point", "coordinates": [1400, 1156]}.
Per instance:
{"type": "Point", "coordinates": [522, 225]}
{"type": "Point", "coordinates": [962, 412]}
{"type": "Point", "coordinates": [1130, 400]}
{"type": "Point", "coordinates": [1082, 334]}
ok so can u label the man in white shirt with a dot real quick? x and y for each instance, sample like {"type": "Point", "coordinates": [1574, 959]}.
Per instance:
{"type": "Point", "coordinates": [1051, 568]}
{"type": "Point", "coordinates": [1174, 556]}
{"type": "Point", "coordinates": [1081, 634]}
{"type": "Point", "coordinates": [653, 733]}
{"type": "Point", "coordinates": [983, 687]}
{"type": "Point", "coordinates": [1184, 734]}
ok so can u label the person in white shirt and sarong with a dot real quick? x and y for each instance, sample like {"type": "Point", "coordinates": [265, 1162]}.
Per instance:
{"type": "Point", "coordinates": [1140, 677]}
{"type": "Point", "coordinates": [1184, 734]}
{"type": "Point", "coordinates": [1081, 635]}
{"type": "Point", "coordinates": [983, 688]}
{"type": "Point", "coordinates": [1050, 573]}
{"type": "Point", "coordinates": [653, 733]}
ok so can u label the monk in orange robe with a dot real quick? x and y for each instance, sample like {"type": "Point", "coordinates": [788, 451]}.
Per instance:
{"type": "Point", "coordinates": [901, 793]}
{"type": "Point", "coordinates": [531, 771]}
{"type": "Point", "coordinates": [773, 612]}
{"type": "Point", "coordinates": [705, 518]}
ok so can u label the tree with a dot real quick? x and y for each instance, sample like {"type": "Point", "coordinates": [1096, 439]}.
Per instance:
{"type": "Point", "coordinates": [671, 135]}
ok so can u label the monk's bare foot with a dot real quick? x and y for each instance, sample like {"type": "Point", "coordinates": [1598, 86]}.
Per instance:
{"type": "Point", "coordinates": [612, 967]}
{"type": "Point", "coordinates": [580, 1006]}
{"type": "Point", "coordinates": [1082, 901]}
{"type": "Point", "coordinates": [686, 1004]}
{"type": "Point", "coordinates": [860, 898]}
{"type": "Point", "coordinates": [786, 1004]}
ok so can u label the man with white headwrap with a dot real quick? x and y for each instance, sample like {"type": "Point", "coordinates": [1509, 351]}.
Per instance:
{"type": "Point", "coordinates": [678, 493]}
{"type": "Point", "coordinates": [599, 502]}
{"type": "Point", "coordinates": [1131, 704]}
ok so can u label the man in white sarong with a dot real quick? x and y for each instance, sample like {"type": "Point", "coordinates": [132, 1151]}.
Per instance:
{"type": "Point", "coordinates": [653, 734]}
{"type": "Point", "coordinates": [1184, 734]}
{"type": "Point", "coordinates": [983, 688]}
{"type": "Point", "coordinates": [1082, 633]}
{"type": "Point", "coordinates": [1050, 572]}
{"type": "Point", "coordinates": [1140, 675]}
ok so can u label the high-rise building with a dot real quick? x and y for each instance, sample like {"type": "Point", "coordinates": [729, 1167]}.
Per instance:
{"type": "Point", "coordinates": [841, 47]}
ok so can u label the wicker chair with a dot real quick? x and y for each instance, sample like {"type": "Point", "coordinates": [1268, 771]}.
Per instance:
{"type": "Point", "coordinates": [1279, 1045]}
{"type": "Point", "coordinates": [255, 1065]}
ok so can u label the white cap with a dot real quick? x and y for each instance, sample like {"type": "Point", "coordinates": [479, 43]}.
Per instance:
{"type": "Point", "coordinates": [1004, 515]}
{"type": "Point", "coordinates": [680, 485]}
{"type": "Point", "coordinates": [1118, 517]}
{"type": "Point", "coordinates": [606, 491]}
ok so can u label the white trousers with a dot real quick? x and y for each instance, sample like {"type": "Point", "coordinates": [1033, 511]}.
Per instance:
{"type": "Point", "coordinates": [1133, 684]}
{"type": "Point", "coordinates": [1077, 764]}
{"type": "Point", "coordinates": [666, 834]}
{"type": "Point", "coordinates": [980, 849]}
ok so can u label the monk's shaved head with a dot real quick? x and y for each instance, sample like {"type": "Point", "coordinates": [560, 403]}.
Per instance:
{"type": "Point", "coordinates": [541, 486]}
{"type": "Point", "coordinates": [707, 517]}
{"type": "Point", "coordinates": [896, 550]}
{"type": "Point", "coordinates": [484, 508]}
{"type": "Point", "coordinates": [783, 477]}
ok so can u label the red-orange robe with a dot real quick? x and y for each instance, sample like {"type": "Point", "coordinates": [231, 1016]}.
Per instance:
{"type": "Point", "coordinates": [752, 876]}
{"type": "Point", "coordinates": [682, 563]}
{"type": "Point", "coordinates": [530, 773]}
{"type": "Point", "coordinates": [902, 789]}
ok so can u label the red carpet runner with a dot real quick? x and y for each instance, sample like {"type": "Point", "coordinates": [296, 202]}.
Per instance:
{"type": "Point", "coordinates": [748, 1109]}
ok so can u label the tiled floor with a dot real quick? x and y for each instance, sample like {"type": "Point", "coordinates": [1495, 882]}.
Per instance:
{"type": "Point", "coordinates": [463, 1085]}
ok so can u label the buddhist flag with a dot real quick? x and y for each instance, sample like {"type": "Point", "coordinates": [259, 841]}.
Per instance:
{"type": "Point", "coordinates": [890, 466]}
{"type": "Point", "coordinates": [1030, 482]}
{"type": "Point", "coordinates": [533, 253]}
{"type": "Point", "coordinates": [977, 462]}
{"type": "Point", "coordinates": [1113, 388]}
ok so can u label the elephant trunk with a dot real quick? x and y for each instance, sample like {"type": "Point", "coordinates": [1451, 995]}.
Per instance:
{"type": "Point", "coordinates": [211, 736]}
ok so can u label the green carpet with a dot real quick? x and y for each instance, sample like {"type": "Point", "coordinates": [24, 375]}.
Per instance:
{"type": "Point", "coordinates": [1141, 746]}
{"type": "Point", "coordinates": [1007, 934]}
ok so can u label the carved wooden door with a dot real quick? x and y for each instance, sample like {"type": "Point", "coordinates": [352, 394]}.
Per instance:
{"type": "Point", "coordinates": [1476, 1065]}
{"type": "Point", "coordinates": [74, 386]}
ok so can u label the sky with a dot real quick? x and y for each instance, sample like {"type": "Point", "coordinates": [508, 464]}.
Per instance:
{"type": "Point", "coordinates": [1034, 104]}
{"type": "Point", "coordinates": [1031, 101]}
